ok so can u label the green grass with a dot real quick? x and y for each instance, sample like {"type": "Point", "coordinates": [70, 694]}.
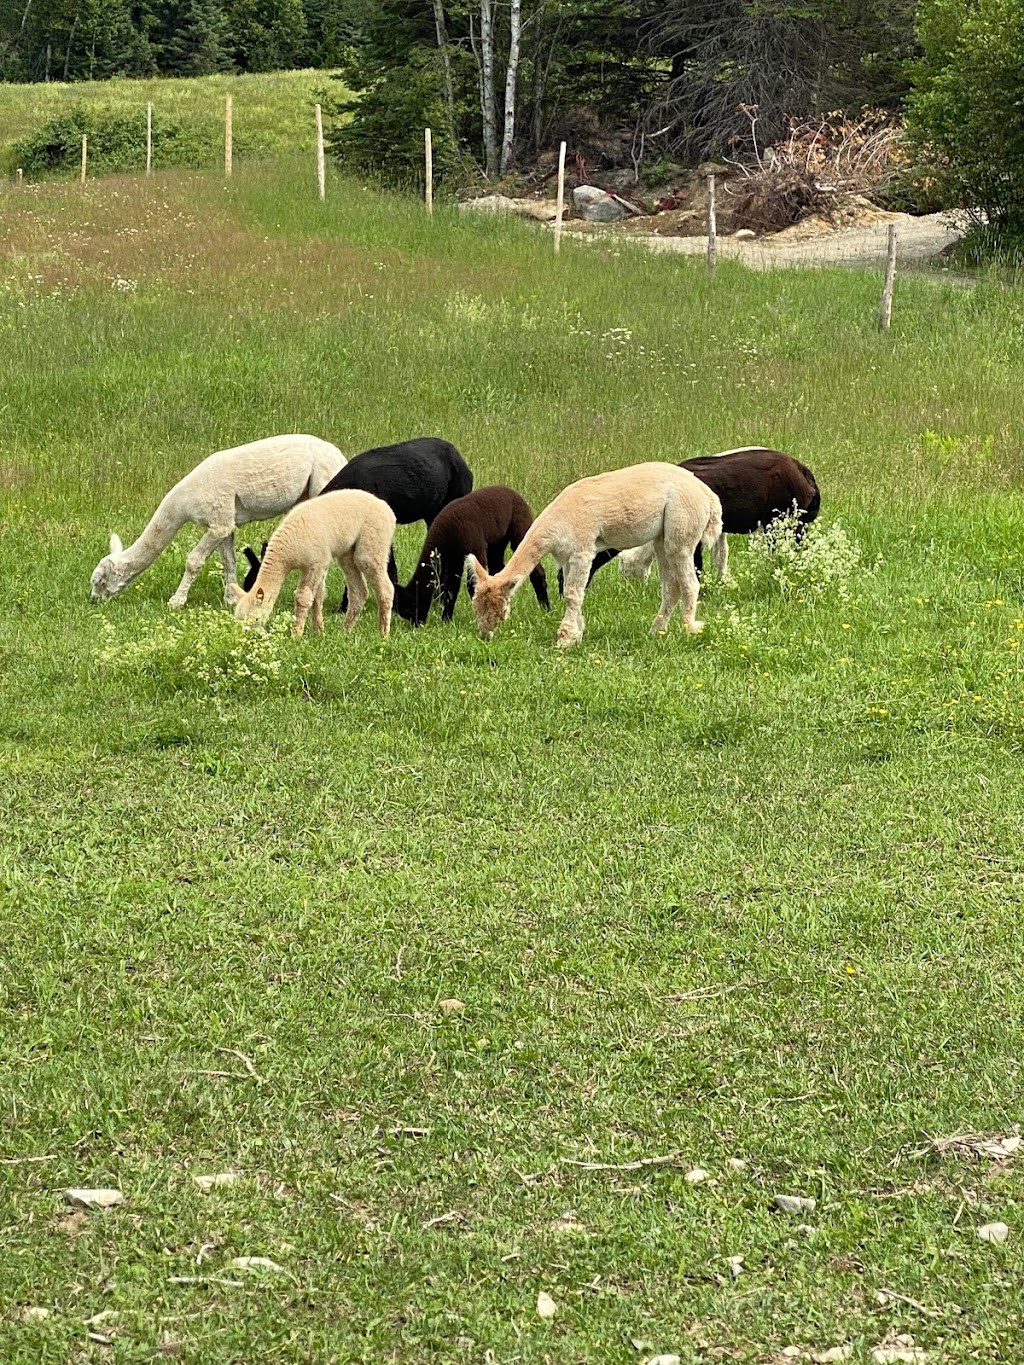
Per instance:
{"type": "Point", "coordinates": [272, 113]}
{"type": "Point", "coordinates": [752, 896]}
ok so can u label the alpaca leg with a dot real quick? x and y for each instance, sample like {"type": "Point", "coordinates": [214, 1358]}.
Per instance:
{"type": "Point", "coordinates": [318, 605]}
{"type": "Point", "coordinates": [637, 563]}
{"type": "Point", "coordinates": [720, 554]}
{"type": "Point", "coordinates": [226, 550]}
{"type": "Point", "coordinates": [368, 567]}
{"type": "Point", "coordinates": [448, 590]}
{"type": "Point", "coordinates": [539, 581]}
{"type": "Point", "coordinates": [671, 587]}
{"type": "Point", "coordinates": [355, 584]}
{"type": "Point", "coordinates": [196, 559]}
{"type": "Point", "coordinates": [576, 579]}
{"type": "Point", "coordinates": [384, 591]}
{"type": "Point", "coordinates": [305, 594]}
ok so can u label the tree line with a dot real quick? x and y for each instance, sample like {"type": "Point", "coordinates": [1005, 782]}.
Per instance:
{"type": "Point", "coordinates": [622, 81]}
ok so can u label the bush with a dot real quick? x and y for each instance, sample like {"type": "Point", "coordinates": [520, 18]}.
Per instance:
{"type": "Point", "coordinates": [966, 114]}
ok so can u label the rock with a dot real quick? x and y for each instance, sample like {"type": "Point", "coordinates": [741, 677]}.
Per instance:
{"type": "Point", "coordinates": [450, 1006]}
{"type": "Point", "coordinates": [744, 234]}
{"type": "Point", "coordinates": [663, 1360]}
{"type": "Point", "coordinates": [34, 1314]}
{"type": "Point", "coordinates": [834, 1353]}
{"type": "Point", "coordinates": [93, 1199]}
{"type": "Point", "coordinates": [794, 1203]}
{"type": "Point", "coordinates": [596, 206]}
{"type": "Point", "coordinates": [993, 1232]}
{"type": "Point", "coordinates": [490, 203]}
{"type": "Point", "coordinates": [696, 1176]}
{"type": "Point", "coordinates": [546, 1306]}
{"type": "Point", "coordinates": [206, 1183]}
{"type": "Point", "coordinates": [737, 1163]}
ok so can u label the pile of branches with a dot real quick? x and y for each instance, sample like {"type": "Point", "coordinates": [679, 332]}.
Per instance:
{"type": "Point", "coordinates": [813, 168]}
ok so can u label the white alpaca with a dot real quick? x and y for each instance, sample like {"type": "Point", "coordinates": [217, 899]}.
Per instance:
{"type": "Point", "coordinates": [229, 488]}
{"type": "Point", "coordinates": [637, 563]}
{"type": "Point", "coordinates": [349, 526]}
{"type": "Point", "coordinates": [645, 502]}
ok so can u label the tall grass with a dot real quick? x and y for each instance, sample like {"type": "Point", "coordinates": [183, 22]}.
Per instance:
{"type": "Point", "coordinates": [745, 902]}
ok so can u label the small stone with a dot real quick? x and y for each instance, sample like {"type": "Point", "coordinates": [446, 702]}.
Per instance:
{"type": "Point", "coordinates": [696, 1176]}
{"type": "Point", "coordinates": [34, 1314]}
{"type": "Point", "coordinates": [736, 1266]}
{"type": "Point", "coordinates": [450, 1006]}
{"type": "Point", "coordinates": [834, 1353]}
{"type": "Point", "coordinates": [737, 1163]}
{"type": "Point", "coordinates": [993, 1232]}
{"type": "Point", "coordinates": [794, 1203]}
{"type": "Point", "coordinates": [663, 1360]}
{"type": "Point", "coordinates": [93, 1199]}
{"type": "Point", "coordinates": [546, 1306]}
{"type": "Point", "coordinates": [206, 1183]}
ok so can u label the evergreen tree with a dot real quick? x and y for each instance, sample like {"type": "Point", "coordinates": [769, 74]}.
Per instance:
{"type": "Point", "coordinates": [200, 43]}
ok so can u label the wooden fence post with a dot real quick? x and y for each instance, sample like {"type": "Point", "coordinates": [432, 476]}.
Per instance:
{"type": "Point", "coordinates": [227, 137]}
{"type": "Point", "coordinates": [885, 313]}
{"type": "Point", "coordinates": [85, 155]}
{"type": "Point", "coordinates": [560, 205]}
{"type": "Point", "coordinates": [321, 182]}
{"type": "Point", "coordinates": [21, 177]}
{"type": "Point", "coordinates": [712, 227]}
{"type": "Point", "coordinates": [428, 151]}
{"type": "Point", "coordinates": [149, 138]}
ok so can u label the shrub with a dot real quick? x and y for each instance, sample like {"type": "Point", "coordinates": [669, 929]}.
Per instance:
{"type": "Point", "coordinates": [117, 142]}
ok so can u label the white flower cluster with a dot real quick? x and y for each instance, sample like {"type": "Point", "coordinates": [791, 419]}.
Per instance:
{"type": "Point", "coordinates": [822, 560]}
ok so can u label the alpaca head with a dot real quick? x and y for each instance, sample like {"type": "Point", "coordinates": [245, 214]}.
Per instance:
{"type": "Point", "coordinates": [252, 606]}
{"type": "Point", "coordinates": [112, 573]}
{"type": "Point", "coordinates": [491, 600]}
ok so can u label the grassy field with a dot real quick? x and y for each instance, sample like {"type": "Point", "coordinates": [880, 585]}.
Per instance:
{"type": "Point", "coordinates": [272, 112]}
{"type": "Point", "coordinates": [747, 902]}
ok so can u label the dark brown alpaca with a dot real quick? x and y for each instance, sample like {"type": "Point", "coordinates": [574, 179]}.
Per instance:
{"type": "Point", "coordinates": [485, 523]}
{"type": "Point", "coordinates": [755, 486]}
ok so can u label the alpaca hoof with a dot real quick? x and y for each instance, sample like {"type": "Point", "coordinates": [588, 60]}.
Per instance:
{"type": "Point", "coordinates": [176, 603]}
{"type": "Point", "coordinates": [695, 627]}
{"type": "Point", "coordinates": [232, 593]}
{"type": "Point", "coordinates": [566, 639]}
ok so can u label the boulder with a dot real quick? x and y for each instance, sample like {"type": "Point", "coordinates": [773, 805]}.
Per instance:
{"type": "Point", "coordinates": [596, 206]}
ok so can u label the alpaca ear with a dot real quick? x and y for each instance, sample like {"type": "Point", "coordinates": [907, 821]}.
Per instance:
{"type": "Point", "coordinates": [259, 594]}
{"type": "Point", "coordinates": [116, 547]}
{"type": "Point", "coordinates": [477, 572]}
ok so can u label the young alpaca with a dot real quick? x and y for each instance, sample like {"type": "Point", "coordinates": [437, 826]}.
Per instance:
{"type": "Point", "coordinates": [227, 489]}
{"type": "Point", "coordinates": [351, 527]}
{"type": "Point", "coordinates": [484, 523]}
{"type": "Point", "coordinates": [626, 507]}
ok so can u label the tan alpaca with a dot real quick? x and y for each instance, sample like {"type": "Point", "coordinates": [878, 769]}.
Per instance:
{"type": "Point", "coordinates": [615, 511]}
{"type": "Point", "coordinates": [350, 526]}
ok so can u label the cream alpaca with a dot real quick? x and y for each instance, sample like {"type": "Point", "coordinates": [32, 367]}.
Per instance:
{"type": "Point", "coordinates": [349, 526]}
{"type": "Point", "coordinates": [227, 489]}
{"type": "Point", "coordinates": [615, 511]}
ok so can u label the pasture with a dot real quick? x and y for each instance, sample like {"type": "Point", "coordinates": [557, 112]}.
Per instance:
{"type": "Point", "coordinates": [746, 902]}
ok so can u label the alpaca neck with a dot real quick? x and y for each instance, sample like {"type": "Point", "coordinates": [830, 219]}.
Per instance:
{"type": "Point", "coordinates": [273, 571]}
{"type": "Point", "coordinates": [413, 601]}
{"type": "Point", "coordinates": [530, 551]}
{"type": "Point", "coordinates": [163, 526]}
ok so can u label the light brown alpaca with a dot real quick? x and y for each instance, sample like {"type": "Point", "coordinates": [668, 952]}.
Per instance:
{"type": "Point", "coordinates": [615, 511]}
{"type": "Point", "coordinates": [350, 526]}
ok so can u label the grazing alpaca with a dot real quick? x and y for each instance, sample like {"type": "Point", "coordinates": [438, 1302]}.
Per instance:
{"type": "Point", "coordinates": [483, 523]}
{"type": "Point", "coordinates": [415, 478]}
{"type": "Point", "coordinates": [755, 486]}
{"type": "Point", "coordinates": [227, 489]}
{"type": "Point", "coordinates": [352, 527]}
{"type": "Point", "coordinates": [657, 502]}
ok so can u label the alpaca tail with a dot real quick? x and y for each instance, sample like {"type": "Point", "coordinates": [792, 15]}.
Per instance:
{"type": "Point", "coordinates": [714, 539]}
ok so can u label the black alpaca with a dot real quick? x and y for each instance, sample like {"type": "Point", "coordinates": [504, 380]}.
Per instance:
{"type": "Point", "coordinates": [415, 478]}
{"type": "Point", "coordinates": [485, 523]}
{"type": "Point", "coordinates": [755, 485]}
